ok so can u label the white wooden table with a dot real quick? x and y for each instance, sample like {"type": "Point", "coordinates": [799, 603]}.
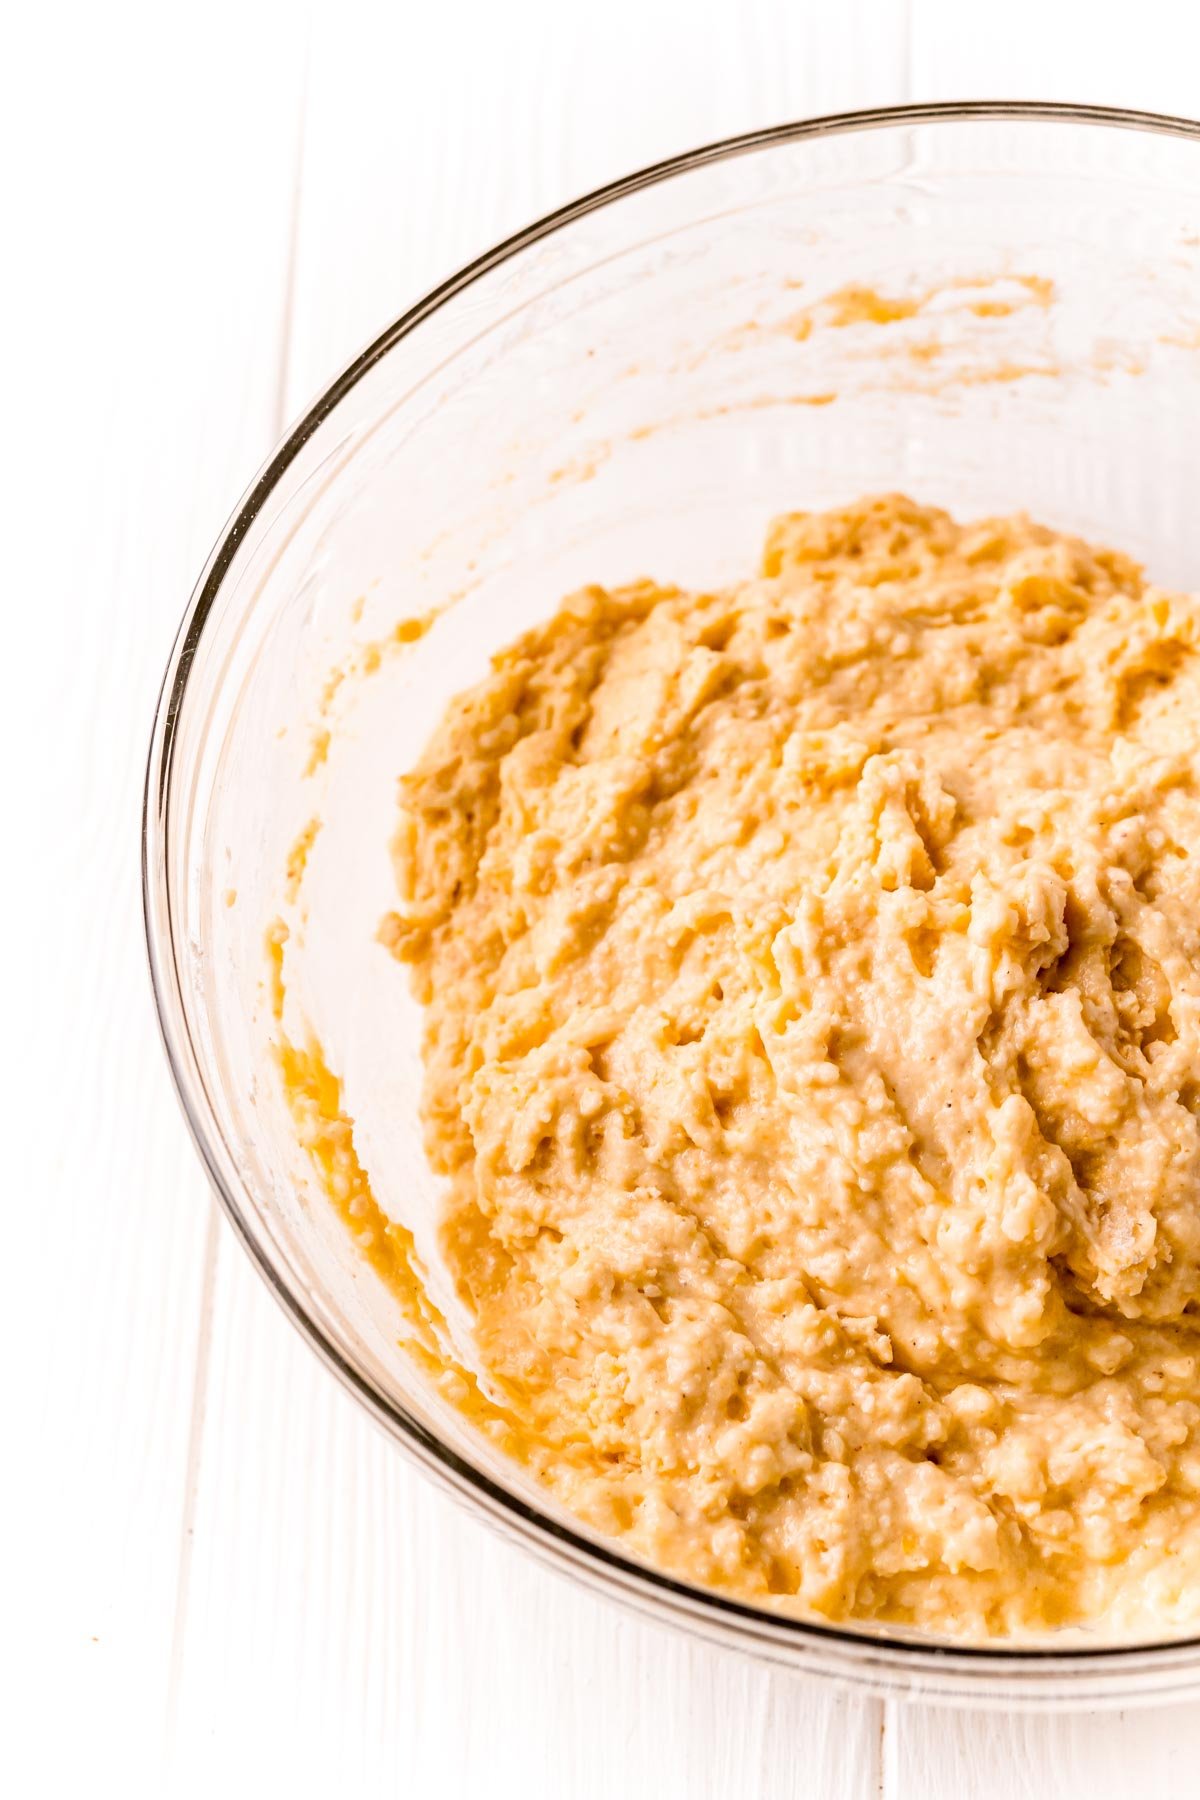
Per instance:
{"type": "Point", "coordinates": [222, 1581]}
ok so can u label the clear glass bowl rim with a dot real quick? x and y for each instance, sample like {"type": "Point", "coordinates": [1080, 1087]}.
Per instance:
{"type": "Point", "coordinates": [711, 1614]}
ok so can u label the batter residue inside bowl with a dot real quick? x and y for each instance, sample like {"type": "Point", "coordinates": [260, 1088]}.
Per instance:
{"type": "Point", "coordinates": [812, 974]}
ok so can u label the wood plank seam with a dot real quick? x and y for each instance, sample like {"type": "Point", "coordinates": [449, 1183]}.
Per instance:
{"type": "Point", "coordinates": [192, 1467]}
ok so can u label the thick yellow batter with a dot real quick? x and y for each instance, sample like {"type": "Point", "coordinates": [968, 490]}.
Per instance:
{"type": "Point", "coordinates": [813, 1049]}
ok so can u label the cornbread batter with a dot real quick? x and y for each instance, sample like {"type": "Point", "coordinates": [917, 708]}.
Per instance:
{"type": "Point", "coordinates": [812, 973]}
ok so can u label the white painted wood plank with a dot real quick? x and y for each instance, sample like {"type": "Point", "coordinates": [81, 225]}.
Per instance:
{"type": "Point", "coordinates": [342, 1623]}
{"type": "Point", "coordinates": [149, 176]}
{"type": "Point", "coordinates": [1101, 51]}
{"type": "Point", "coordinates": [933, 1754]}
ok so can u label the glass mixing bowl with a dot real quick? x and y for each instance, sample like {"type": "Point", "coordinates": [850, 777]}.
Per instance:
{"type": "Point", "coordinates": [992, 307]}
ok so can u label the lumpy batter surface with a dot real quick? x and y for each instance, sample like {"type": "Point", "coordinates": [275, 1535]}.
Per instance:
{"type": "Point", "coordinates": [812, 973]}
